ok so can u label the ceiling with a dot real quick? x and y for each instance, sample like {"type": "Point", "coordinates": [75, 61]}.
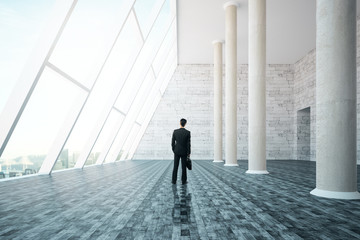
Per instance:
{"type": "Point", "coordinates": [291, 29]}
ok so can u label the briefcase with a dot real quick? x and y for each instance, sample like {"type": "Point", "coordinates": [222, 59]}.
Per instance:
{"type": "Point", "coordinates": [188, 163]}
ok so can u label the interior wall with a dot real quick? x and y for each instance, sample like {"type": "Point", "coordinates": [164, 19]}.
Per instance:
{"type": "Point", "coordinates": [190, 95]}
{"type": "Point", "coordinates": [290, 88]}
{"type": "Point", "coordinates": [305, 94]}
{"type": "Point", "coordinates": [303, 134]}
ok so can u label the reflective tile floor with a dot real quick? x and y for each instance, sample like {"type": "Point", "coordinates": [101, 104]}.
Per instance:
{"type": "Point", "coordinates": [136, 200]}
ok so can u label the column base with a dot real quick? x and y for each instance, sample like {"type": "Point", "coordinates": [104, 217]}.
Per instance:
{"type": "Point", "coordinates": [338, 195]}
{"type": "Point", "coordinates": [219, 161]}
{"type": "Point", "coordinates": [231, 164]}
{"type": "Point", "coordinates": [257, 172]}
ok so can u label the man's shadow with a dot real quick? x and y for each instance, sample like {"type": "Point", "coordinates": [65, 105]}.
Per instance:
{"type": "Point", "coordinates": [182, 203]}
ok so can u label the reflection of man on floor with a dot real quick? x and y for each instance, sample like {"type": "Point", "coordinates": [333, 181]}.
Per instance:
{"type": "Point", "coordinates": [181, 210]}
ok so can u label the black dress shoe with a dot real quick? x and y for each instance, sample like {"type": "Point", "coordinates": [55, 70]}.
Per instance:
{"type": "Point", "coordinates": [173, 182]}
{"type": "Point", "coordinates": [184, 183]}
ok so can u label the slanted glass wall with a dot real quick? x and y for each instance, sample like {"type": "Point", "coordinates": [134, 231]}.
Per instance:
{"type": "Point", "coordinates": [21, 24]}
{"type": "Point", "coordinates": [96, 87]}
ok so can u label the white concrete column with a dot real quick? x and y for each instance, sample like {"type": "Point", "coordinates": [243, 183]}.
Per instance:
{"type": "Point", "coordinates": [257, 87]}
{"type": "Point", "coordinates": [230, 83]}
{"type": "Point", "coordinates": [336, 175]}
{"type": "Point", "coordinates": [218, 103]}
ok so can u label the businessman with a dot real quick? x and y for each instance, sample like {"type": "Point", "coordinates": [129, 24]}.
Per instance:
{"type": "Point", "coordinates": [181, 147]}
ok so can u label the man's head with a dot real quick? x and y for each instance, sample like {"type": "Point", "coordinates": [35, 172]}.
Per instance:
{"type": "Point", "coordinates": [183, 122]}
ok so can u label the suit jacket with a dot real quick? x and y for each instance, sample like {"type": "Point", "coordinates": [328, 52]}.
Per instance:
{"type": "Point", "coordinates": [180, 142]}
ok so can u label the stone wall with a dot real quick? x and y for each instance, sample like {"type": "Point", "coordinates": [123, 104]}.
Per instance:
{"type": "Point", "coordinates": [303, 134]}
{"type": "Point", "coordinates": [290, 89]}
{"type": "Point", "coordinates": [190, 95]}
{"type": "Point", "coordinates": [305, 93]}
{"type": "Point", "coordinates": [280, 129]}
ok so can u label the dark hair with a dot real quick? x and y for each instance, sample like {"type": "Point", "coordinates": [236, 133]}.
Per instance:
{"type": "Point", "coordinates": [183, 122]}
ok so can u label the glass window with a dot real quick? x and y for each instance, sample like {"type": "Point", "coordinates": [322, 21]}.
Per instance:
{"type": "Point", "coordinates": [146, 12]}
{"type": "Point", "coordinates": [88, 37]}
{"type": "Point", "coordinates": [164, 73]}
{"type": "Point", "coordinates": [105, 90]}
{"type": "Point", "coordinates": [21, 24]}
{"type": "Point", "coordinates": [140, 95]}
{"type": "Point", "coordinates": [170, 72]}
{"type": "Point", "coordinates": [133, 94]}
{"type": "Point", "coordinates": [48, 107]}
{"type": "Point", "coordinates": [145, 58]}
{"type": "Point", "coordinates": [121, 136]}
{"type": "Point", "coordinates": [103, 155]}
{"type": "Point", "coordinates": [106, 136]}
{"type": "Point", "coordinates": [122, 58]}
{"type": "Point", "coordinates": [166, 47]}
{"type": "Point", "coordinates": [140, 108]}
{"type": "Point", "coordinates": [129, 141]}
{"type": "Point", "coordinates": [144, 126]}
{"type": "Point", "coordinates": [149, 107]}
{"type": "Point", "coordinates": [162, 23]}
{"type": "Point", "coordinates": [139, 102]}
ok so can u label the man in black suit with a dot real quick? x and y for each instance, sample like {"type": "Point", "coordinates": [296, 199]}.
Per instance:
{"type": "Point", "coordinates": [181, 147]}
